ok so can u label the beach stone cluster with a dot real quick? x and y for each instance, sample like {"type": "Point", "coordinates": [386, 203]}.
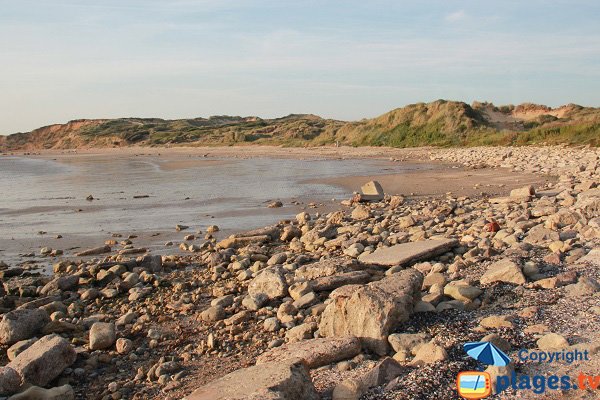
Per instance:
{"type": "Point", "coordinates": [358, 297]}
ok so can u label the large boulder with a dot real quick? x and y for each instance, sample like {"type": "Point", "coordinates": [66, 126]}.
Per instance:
{"type": "Point", "coordinates": [269, 282]}
{"type": "Point", "coordinates": [371, 311]}
{"type": "Point", "coordinates": [44, 360]}
{"type": "Point", "coordinates": [271, 381]}
{"type": "Point", "coordinates": [405, 253]}
{"type": "Point", "coordinates": [314, 352]}
{"type": "Point", "coordinates": [21, 324]}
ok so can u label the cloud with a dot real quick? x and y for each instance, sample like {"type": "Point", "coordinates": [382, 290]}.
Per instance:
{"type": "Point", "coordinates": [456, 16]}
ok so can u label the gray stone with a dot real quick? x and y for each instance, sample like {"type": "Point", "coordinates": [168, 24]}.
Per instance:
{"type": "Point", "coordinates": [369, 312]}
{"type": "Point", "coordinates": [405, 253]}
{"type": "Point", "coordinates": [21, 324]}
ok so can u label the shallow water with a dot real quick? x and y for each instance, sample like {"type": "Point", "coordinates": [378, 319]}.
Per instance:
{"type": "Point", "coordinates": [40, 194]}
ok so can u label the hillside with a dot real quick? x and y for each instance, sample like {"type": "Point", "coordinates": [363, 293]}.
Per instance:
{"type": "Point", "coordinates": [439, 123]}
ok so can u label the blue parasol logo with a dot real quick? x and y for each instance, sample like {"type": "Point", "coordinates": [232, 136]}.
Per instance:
{"type": "Point", "coordinates": [487, 353]}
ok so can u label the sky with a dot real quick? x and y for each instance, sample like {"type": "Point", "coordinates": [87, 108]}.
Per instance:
{"type": "Point", "coordinates": [69, 59]}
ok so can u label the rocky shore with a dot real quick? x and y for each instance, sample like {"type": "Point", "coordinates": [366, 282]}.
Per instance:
{"type": "Point", "coordinates": [373, 301]}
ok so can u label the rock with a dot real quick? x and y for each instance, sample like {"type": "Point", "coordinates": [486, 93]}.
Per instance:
{"type": "Point", "coordinates": [213, 314]}
{"type": "Point", "coordinates": [233, 242]}
{"type": "Point", "coordinates": [255, 302]}
{"type": "Point", "coordinates": [102, 335]}
{"type": "Point", "coordinates": [584, 287]}
{"type": "Point", "coordinates": [360, 213]}
{"type": "Point", "coordinates": [10, 381]}
{"type": "Point", "coordinates": [462, 292]}
{"type": "Point", "coordinates": [328, 283]}
{"type": "Point", "coordinates": [552, 342]}
{"type": "Point", "coordinates": [352, 389]}
{"type": "Point", "coordinates": [405, 253]}
{"type": "Point", "coordinates": [504, 270]}
{"type": "Point", "coordinates": [354, 250]}
{"type": "Point", "coordinates": [303, 218]}
{"type": "Point", "coordinates": [539, 235]}
{"type": "Point", "coordinates": [307, 300]}
{"type": "Point", "coordinates": [372, 191]}
{"type": "Point", "coordinates": [593, 257]}
{"type": "Point", "coordinates": [370, 311]}
{"type": "Point", "coordinates": [429, 353]}
{"type": "Point", "coordinates": [21, 324]}
{"type": "Point", "coordinates": [588, 203]}
{"type": "Point", "coordinates": [409, 342]}
{"type": "Point", "coordinates": [152, 263]}
{"type": "Point", "coordinates": [124, 346]}
{"type": "Point", "coordinates": [94, 252]}
{"type": "Point", "coordinates": [19, 347]}
{"type": "Point", "coordinates": [44, 360]}
{"type": "Point", "coordinates": [269, 282]}
{"type": "Point", "coordinates": [299, 289]}
{"type": "Point", "coordinates": [523, 192]}
{"type": "Point", "coordinates": [64, 392]}
{"type": "Point", "coordinates": [61, 283]}
{"type": "Point", "coordinates": [271, 324]}
{"type": "Point", "coordinates": [497, 321]}
{"type": "Point", "coordinates": [275, 204]}
{"type": "Point", "coordinates": [269, 381]}
{"type": "Point", "coordinates": [396, 201]}
{"type": "Point", "coordinates": [300, 332]}
{"type": "Point", "coordinates": [314, 352]}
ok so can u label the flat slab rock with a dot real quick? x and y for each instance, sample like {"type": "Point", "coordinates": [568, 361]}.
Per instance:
{"type": "Point", "coordinates": [315, 352]}
{"type": "Point", "coordinates": [405, 253]}
{"type": "Point", "coordinates": [270, 381]}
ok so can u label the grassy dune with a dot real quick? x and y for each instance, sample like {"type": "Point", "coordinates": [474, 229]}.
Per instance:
{"type": "Point", "coordinates": [439, 123]}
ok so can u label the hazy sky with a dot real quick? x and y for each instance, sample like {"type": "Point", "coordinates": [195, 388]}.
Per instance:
{"type": "Point", "coordinates": [69, 59]}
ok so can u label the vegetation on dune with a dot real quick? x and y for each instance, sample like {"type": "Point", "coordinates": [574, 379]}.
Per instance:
{"type": "Point", "coordinates": [439, 123]}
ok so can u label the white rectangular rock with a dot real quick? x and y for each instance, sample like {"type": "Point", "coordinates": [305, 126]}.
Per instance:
{"type": "Point", "coordinates": [405, 253]}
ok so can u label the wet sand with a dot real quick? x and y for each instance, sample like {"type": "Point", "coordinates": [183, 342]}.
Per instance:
{"type": "Point", "coordinates": [406, 172]}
